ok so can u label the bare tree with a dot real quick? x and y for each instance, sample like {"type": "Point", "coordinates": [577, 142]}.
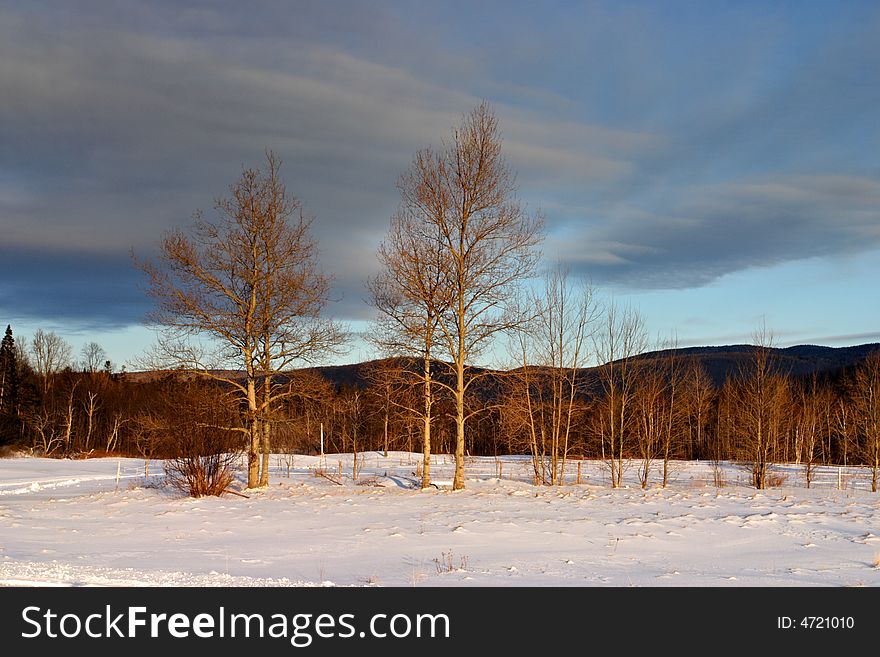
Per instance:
{"type": "Point", "coordinates": [553, 347]}
{"type": "Point", "coordinates": [658, 408]}
{"type": "Point", "coordinates": [466, 195]}
{"type": "Point", "coordinates": [843, 426]}
{"type": "Point", "coordinates": [697, 396]}
{"type": "Point", "coordinates": [761, 394]}
{"type": "Point", "coordinates": [389, 382]}
{"type": "Point", "coordinates": [68, 417]}
{"type": "Point", "coordinates": [673, 369]}
{"type": "Point", "coordinates": [809, 402]}
{"type": "Point", "coordinates": [93, 357]}
{"type": "Point", "coordinates": [353, 409]}
{"type": "Point", "coordinates": [91, 405]}
{"type": "Point", "coordinates": [520, 395]}
{"type": "Point", "coordinates": [865, 393]}
{"type": "Point", "coordinates": [408, 293]}
{"type": "Point", "coordinates": [722, 443]}
{"type": "Point", "coordinates": [249, 282]}
{"type": "Point", "coordinates": [651, 409]}
{"type": "Point", "coordinates": [46, 434]}
{"type": "Point", "coordinates": [621, 337]}
{"type": "Point", "coordinates": [116, 422]}
{"type": "Point", "coordinates": [51, 354]}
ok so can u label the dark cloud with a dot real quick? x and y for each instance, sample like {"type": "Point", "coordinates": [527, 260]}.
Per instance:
{"type": "Point", "coordinates": [666, 148]}
{"type": "Point", "coordinates": [708, 231]}
{"type": "Point", "coordinates": [76, 290]}
{"type": "Point", "coordinates": [117, 126]}
{"type": "Point", "coordinates": [766, 154]}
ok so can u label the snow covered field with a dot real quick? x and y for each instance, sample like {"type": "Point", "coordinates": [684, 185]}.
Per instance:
{"type": "Point", "coordinates": [66, 522]}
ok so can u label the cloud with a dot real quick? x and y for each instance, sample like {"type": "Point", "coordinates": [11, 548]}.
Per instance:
{"type": "Point", "coordinates": [664, 153]}
{"type": "Point", "coordinates": [74, 290]}
{"type": "Point", "coordinates": [847, 339]}
{"type": "Point", "coordinates": [708, 231]}
{"type": "Point", "coordinates": [116, 127]}
{"type": "Point", "coordinates": [766, 153]}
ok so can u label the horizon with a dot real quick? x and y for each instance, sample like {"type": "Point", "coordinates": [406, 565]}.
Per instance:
{"type": "Point", "coordinates": [589, 363]}
{"type": "Point", "coordinates": [712, 166]}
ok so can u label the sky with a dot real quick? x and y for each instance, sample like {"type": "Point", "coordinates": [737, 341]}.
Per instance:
{"type": "Point", "coordinates": [714, 164]}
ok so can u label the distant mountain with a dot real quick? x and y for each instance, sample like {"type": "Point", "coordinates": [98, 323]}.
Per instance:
{"type": "Point", "coordinates": [719, 362]}
{"type": "Point", "coordinates": [798, 361]}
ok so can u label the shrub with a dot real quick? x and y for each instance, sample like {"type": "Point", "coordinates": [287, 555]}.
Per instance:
{"type": "Point", "coordinates": [196, 430]}
{"type": "Point", "coordinates": [205, 454]}
{"type": "Point", "coordinates": [199, 475]}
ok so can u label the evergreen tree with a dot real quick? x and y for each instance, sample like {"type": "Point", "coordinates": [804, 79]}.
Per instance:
{"type": "Point", "coordinates": [8, 373]}
{"type": "Point", "coordinates": [9, 389]}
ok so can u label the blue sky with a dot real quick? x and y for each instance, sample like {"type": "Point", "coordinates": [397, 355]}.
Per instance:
{"type": "Point", "coordinates": [713, 163]}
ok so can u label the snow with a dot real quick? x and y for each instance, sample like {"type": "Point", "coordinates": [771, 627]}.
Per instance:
{"type": "Point", "coordinates": [71, 523]}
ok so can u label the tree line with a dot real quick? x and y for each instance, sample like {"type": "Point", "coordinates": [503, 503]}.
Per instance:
{"type": "Point", "coordinates": [239, 302]}
{"type": "Point", "coordinates": [641, 414]}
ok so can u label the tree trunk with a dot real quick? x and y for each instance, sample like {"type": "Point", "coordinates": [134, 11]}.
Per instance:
{"type": "Point", "coordinates": [253, 435]}
{"type": "Point", "coordinates": [266, 408]}
{"type": "Point", "coordinates": [426, 431]}
{"type": "Point", "coordinates": [265, 428]}
{"type": "Point", "coordinates": [458, 480]}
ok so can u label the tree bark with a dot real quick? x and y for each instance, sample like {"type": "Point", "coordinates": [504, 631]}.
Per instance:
{"type": "Point", "coordinates": [426, 430]}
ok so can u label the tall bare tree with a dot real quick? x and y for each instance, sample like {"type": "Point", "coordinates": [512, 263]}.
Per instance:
{"type": "Point", "coordinates": [51, 354]}
{"type": "Point", "coordinates": [489, 244]}
{"type": "Point", "coordinates": [249, 282]}
{"type": "Point", "coordinates": [409, 294]}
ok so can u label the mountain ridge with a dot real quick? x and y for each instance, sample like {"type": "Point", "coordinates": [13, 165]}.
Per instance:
{"type": "Point", "coordinates": [720, 362]}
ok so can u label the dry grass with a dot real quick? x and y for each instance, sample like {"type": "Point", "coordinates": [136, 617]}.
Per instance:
{"type": "Point", "coordinates": [418, 576]}
{"type": "Point", "coordinates": [321, 472]}
{"type": "Point", "coordinates": [446, 563]}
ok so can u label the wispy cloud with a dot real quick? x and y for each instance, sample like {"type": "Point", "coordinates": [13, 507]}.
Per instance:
{"type": "Point", "coordinates": [113, 134]}
{"type": "Point", "coordinates": [664, 153]}
{"type": "Point", "coordinates": [707, 231]}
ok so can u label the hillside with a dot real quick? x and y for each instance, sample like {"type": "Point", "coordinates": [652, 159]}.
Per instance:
{"type": "Point", "coordinates": [720, 362]}
{"type": "Point", "coordinates": [798, 361]}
